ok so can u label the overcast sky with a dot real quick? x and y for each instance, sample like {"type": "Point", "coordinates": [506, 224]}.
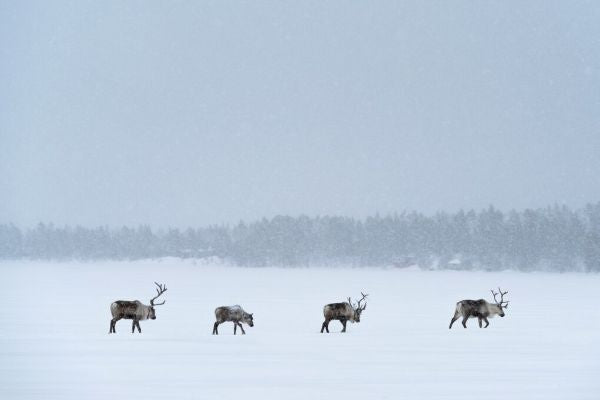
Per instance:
{"type": "Point", "coordinates": [193, 113]}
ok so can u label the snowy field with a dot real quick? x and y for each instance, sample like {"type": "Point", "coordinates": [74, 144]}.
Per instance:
{"type": "Point", "coordinates": [54, 341]}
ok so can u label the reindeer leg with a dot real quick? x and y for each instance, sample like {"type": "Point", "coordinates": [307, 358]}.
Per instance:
{"type": "Point", "coordinates": [242, 328]}
{"type": "Point", "coordinates": [453, 320]}
{"type": "Point", "coordinates": [215, 328]}
{"type": "Point", "coordinates": [114, 324]}
{"type": "Point", "coordinates": [464, 322]}
{"type": "Point", "coordinates": [486, 322]}
{"type": "Point", "coordinates": [138, 326]}
{"type": "Point", "coordinates": [234, 328]}
{"type": "Point", "coordinates": [323, 326]}
{"type": "Point", "coordinates": [479, 320]}
{"type": "Point", "coordinates": [343, 321]}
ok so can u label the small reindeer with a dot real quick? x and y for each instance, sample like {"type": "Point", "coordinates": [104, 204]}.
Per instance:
{"type": "Point", "coordinates": [343, 312]}
{"type": "Point", "coordinates": [135, 310]}
{"type": "Point", "coordinates": [235, 314]}
{"type": "Point", "coordinates": [480, 309]}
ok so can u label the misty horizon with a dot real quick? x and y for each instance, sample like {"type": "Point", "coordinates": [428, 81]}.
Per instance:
{"type": "Point", "coordinates": [549, 239]}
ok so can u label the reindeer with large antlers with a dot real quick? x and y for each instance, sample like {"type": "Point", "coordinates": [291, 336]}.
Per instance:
{"type": "Point", "coordinates": [135, 310]}
{"type": "Point", "coordinates": [480, 309]}
{"type": "Point", "coordinates": [343, 312]}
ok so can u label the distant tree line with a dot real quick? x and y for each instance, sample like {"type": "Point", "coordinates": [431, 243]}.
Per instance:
{"type": "Point", "coordinates": [554, 238]}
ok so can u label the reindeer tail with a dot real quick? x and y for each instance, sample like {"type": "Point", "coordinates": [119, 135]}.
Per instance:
{"type": "Point", "coordinates": [113, 309]}
{"type": "Point", "coordinates": [458, 308]}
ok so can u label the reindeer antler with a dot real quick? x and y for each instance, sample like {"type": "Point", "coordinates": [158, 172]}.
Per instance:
{"type": "Point", "coordinates": [159, 290]}
{"type": "Point", "coordinates": [501, 303]}
{"type": "Point", "coordinates": [364, 296]}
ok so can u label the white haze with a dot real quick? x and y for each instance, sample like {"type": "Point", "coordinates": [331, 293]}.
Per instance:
{"type": "Point", "coordinates": [191, 113]}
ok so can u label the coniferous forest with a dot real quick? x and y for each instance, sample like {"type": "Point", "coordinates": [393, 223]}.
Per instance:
{"type": "Point", "coordinates": [553, 239]}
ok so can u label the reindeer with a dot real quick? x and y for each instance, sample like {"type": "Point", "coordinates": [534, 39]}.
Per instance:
{"type": "Point", "coordinates": [480, 309]}
{"type": "Point", "coordinates": [135, 310]}
{"type": "Point", "coordinates": [235, 314]}
{"type": "Point", "coordinates": [343, 312]}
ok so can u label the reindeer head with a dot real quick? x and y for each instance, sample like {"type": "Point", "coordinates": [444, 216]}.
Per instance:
{"type": "Point", "coordinates": [159, 290]}
{"type": "Point", "coordinates": [358, 308]}
{"type": "Point", "coordinates": [248, 319]}
{"type": "Point", "coordinates": [499, 307]}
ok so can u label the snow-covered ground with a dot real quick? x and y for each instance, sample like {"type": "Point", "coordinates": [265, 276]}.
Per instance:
{"type": "Point", "coordinates": [54, 341]}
